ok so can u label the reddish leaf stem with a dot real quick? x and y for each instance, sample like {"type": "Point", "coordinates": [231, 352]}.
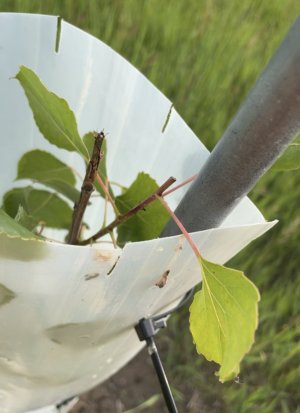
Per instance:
{"type": "Point", "coordinates": [180, 226]}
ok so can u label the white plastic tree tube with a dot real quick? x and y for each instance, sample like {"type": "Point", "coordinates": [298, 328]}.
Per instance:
{"type": "Point", "coordinates": [68, 325]}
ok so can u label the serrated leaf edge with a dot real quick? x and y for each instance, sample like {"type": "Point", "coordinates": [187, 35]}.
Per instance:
{"type": "Point", "coordinates": [78, 150]}
{"type": "Point", "coordinates": [236, 368]}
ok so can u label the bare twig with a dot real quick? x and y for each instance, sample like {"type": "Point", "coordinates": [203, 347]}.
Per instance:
{"type": "Point", "coordinates": [86, 189]}
{"type": "Point", "coordinates": [185, 182]}
{"type": "Point", "coordinates": [124, 217]}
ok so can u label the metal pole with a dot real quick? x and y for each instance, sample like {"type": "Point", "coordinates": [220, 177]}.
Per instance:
{"type": "Point", "coordinates": [265, 124]}
{"type": "Point", "coordinates": [160, 372]}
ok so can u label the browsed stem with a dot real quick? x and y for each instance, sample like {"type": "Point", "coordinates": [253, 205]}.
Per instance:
{"type": "Point", "coordinates": [124, 217]}
{"type": "Point", "coordinates": [86, 190]}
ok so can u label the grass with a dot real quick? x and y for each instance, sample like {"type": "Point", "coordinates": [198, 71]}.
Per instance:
{"type": "Point", "coordinates": [205, 56]}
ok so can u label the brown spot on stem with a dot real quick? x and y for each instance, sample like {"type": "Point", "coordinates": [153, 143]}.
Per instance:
{"type": "Point", "coordinates": [163, 279]}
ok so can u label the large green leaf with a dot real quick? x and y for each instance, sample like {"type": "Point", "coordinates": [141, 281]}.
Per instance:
{"type": "Point", "coordinates": [43, 167]}
{"type": "Point", "coordinates": [146, 224]}
{"type": "Point", "coordinates": [52, 114]}
{"type": "Point", "coordinates": [44, 206]}
{"type": "Point", "coordinates": [13, 229]}
{"type": "Point", "coordinates": [224, 317]}
{"type": "Point", "coordinates": [290, 159]}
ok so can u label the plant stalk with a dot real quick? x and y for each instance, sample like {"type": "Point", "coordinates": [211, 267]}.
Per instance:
{"type": "Point", "coordinates": [124, 217]}
{"type": "Point", "coordinates": [86, 190]}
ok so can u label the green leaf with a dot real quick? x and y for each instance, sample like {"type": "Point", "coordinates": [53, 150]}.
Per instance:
{"type": "Point", "coordinates": [146, 224]}
{"type": "Point", "coordinates": [43, 167]}
{"type": "Point", "coordinates": [64, 189]}
{"type": "Point", "coordinates": [25, 219]}
{"type": "Point", "coordinates": [52, 114]}
{"type": "Point", "coordinates": [290, 159]}
{"type": "Point", "coordinates": [89, 140]}
{"type": "Point", "coordinates": [224, 317]}
{"type": "Point", "coordinates": [44, 206]}
{"type": "Point", "coordinates": [11, 228]}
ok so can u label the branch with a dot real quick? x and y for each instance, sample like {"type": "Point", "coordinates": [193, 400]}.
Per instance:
{"type": "Point", "coordinates": [186, 181]}
{"type": "Point", "coordinates": [86, 190]}
{"type": "Point", "coordinates": [124, 217]}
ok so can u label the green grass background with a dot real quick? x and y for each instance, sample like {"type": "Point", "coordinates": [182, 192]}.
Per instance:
{"type": "Point", "coordinates": [205, 55]}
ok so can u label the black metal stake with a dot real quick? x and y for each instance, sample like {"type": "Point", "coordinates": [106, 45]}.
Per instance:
{"type": "Point", "coordinates": [146, 329]}
{"type": "Point", "coordinates": [163, 380]}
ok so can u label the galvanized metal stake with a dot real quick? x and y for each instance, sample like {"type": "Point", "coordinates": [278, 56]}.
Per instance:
{"type": "Point", "coordinates": [265, 124]}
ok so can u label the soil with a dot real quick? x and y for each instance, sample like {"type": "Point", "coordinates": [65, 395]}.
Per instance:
{"type": "Point", "coordinates": [127, 389]}
{"type": "Point", "coordinates": [135, 384]}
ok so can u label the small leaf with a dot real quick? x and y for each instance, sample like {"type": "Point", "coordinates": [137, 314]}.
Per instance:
{"type": "Point", "coordinates": [290, 159]}
{"type": "Point", "coordinates": [44, 206]}
{"type": "Point", "coordinates": [11, 228]}
{"type": "Point", "coordinates": [52, 114]}
{"type": "Point", "coordinates": [146, 224]}
{"type": "Point", "coordinates": [224, 317]}
{"type": "Point", "coordinates": [25, 219]}
{"type": "Point", "coordinates": [89, 140]}
{"type": "Point", "coordinates": [43, 167]}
